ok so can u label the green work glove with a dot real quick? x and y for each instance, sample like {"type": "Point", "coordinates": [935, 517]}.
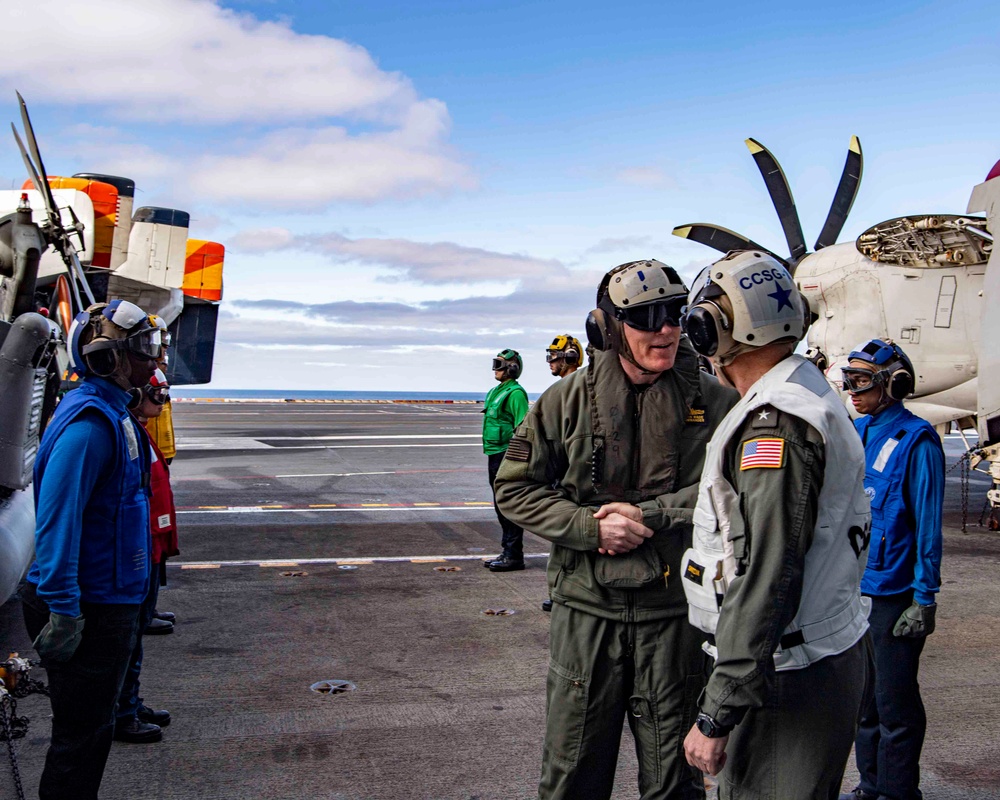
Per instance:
{"type": "Point", "coordinates": [916, 622]}
{"type": "Point", "coordinates": [60, 637]}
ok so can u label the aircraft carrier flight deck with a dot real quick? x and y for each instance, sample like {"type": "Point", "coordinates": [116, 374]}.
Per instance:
{"type": "Point", "coordinates": [343, 542]}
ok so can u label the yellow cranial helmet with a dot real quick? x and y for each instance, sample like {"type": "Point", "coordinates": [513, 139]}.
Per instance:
{"type": "Point", "coordinates": [565, 347]}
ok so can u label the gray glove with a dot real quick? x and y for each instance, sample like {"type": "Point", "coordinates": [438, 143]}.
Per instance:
{"type": "Point", "coordinates": [60, 637]}
{"type": "Point", "coordinates": [916, 622]}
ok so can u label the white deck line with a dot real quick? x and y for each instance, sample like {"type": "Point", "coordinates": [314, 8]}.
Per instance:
{"type": "Point", "coordinates": [259, 510]}
{"type": "Point", "coordinates": [352, 560]}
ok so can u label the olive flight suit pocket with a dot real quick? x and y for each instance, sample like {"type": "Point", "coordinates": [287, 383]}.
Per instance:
{"type": "Point", "coordinates": [630, 570]}
{"type": "Point", "coordinates": [569, 696]}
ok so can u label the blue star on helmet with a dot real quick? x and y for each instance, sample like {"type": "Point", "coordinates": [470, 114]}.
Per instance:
{"type": "Point", "coordinates": [781, 296]}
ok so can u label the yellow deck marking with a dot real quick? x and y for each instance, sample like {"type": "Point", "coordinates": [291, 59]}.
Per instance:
{"type": "Point", "coordinates": [212, 507]}
{"type": "Point", "coordinates": [278, 564]}
{"type": "Point", "coordinates": [374, 505]}
{"type": "Point", "coordinates": [322, 505]}
{"type": "Point", "coordinates": [200, 566]}
{"type": "Point", "coordinates": [270, 506]}
{"type": "Point", "coordinates": [355, 561]}
{"type": "Point", "coordinates": [477, 503]}
{"type": "Point", "coordinates": [426, 504]}
{"type": "Point", "coordinates": [428, 560]}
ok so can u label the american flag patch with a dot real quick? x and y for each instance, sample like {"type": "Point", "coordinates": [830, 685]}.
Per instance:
{"type": "Point", "coordinates": [768, 453]}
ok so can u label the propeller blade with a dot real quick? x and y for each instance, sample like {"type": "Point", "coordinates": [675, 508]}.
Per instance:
{"type": "Point", "coordinates": [847, 190]}
{"type": "Point", "coordinates": [781, 197]}
{"type": "Point", "coordinates": [32, 172]}
{"type": "Point", "coordinates": [43, 187]}
{"type": "Point", "coordinates": [721, 239]}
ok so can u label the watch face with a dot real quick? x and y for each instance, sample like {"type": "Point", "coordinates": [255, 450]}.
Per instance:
{"type": "Point", "coordinates": [705, 725]}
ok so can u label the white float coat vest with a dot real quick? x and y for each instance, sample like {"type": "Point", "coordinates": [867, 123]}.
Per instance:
{"type": "Point", "coordinates": [832, 615]}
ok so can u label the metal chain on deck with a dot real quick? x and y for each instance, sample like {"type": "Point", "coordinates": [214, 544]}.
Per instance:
{"type": "Point", "coordinates": [13, 727]}
{"type": "Point", "coordinates": [965, 460]}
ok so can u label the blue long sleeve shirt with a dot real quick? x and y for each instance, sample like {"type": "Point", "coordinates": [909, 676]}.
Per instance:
{"type": "Point", "coordinates": [61, 493]}
{"type": "Point", "coordinates": [91, 506]}
{"type": "Point", "coordinates": [923, 490]}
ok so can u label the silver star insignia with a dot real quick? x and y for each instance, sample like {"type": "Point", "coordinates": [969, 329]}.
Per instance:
{"type": "Point", "coordinates": [763, 416]}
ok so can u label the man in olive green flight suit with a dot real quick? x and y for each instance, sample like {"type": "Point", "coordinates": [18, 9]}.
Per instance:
{"type": "Point", "coordinates": [781, 529]}
{"type": "Point", "coordinates": [605, 467]}
{"type": "Point", "coordinates": [503, 409]}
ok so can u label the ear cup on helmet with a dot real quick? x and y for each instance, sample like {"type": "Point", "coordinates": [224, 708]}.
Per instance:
{"type": "Point", "coordinates": [572, 356]}
{"type": "Point", "coordinates": [597, 330]}
{"type": "Point", "coordinates": [702, 325]}
{"type": "Point", "coordinates": [103, 362]}
{"type": "Point", "coordinates": [134, 399]}
{"type": "Point", "coordinates": [513, 370]}
{"type": "Point", "coordinates": [900, 384]}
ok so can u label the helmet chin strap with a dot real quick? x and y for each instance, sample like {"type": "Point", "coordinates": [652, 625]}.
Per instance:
{"type": "Point", "coordinates": [884, 401]}
{"type": "Point", "coordinates": [621, 346]}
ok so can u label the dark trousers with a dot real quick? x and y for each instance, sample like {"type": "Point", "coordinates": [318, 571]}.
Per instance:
{"type": "Point", "coordinates": [129, 700]}
{"type": "Point", "coordinates": [83, 692]}
{"type": "Point", "coordinates": [513, 535]}
{"type": "Point", "coordinates": [893, 723]}
{"type": "Point", "coordinates": [796, 746]}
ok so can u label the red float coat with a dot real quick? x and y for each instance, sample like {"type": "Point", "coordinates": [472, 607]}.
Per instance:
{"type": "Point", "coordinates": [162, 516]}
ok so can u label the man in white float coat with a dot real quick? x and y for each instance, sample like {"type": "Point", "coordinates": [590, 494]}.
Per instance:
{"type": "Point", "coordinates": [781, 531]}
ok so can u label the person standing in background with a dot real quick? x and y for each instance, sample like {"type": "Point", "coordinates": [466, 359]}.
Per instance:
{"type": "Point", "coordinates": [904, 478]}
{"type": "Point", "coordinates": [504, 408]}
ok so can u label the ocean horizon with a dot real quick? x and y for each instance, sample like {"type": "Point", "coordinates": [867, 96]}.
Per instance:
{"type": "Point", "coordinates": [195, 393]}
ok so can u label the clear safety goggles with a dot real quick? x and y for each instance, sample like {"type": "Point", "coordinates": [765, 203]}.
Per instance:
{"type": "Point", "coordinates": [147, 344]}
{"type": "Point", "coordinates": [858, 381]}
{"type": "Point", "coordinates": [554, 355]}
{"type": "Point", "coordinates": [158, 394]}
{"type": "Point", "coordinates": [499, 363]}
{"type": "Point", "coordinates": [653, 316]}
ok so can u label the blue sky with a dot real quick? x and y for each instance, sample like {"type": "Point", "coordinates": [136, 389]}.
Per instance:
{"type": "Point", "coordinates": [406, 188]}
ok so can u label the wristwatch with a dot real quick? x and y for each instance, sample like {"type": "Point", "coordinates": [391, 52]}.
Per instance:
{"type": "Point", "coordinates": [710, 728]}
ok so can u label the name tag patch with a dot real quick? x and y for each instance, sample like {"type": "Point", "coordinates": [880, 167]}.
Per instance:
{"type": "Point", "coordinates": [763, 454]}
{"type": "Point", "coordinates": [163, 521]}
{"type": "Point", "coordinates": [696, 416]}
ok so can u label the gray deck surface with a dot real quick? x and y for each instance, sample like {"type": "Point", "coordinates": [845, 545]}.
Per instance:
{"type": "Point", "coordinates": [449, 701]}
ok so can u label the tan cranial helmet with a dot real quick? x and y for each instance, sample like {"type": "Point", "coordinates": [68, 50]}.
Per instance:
{"type": "Point", "coordinates": [743, 301]}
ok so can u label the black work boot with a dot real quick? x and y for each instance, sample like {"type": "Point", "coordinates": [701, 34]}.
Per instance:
{"type": "Point", "coordinates": [153, 716]}
{"type": "Point", "coordinates": [158, 627]}
{"type": "Point", "coordinates": [133, 731]}
{"type": "Point", "coordinates": [506, 564]}
{"type": "Point", "coordinates": [857, 793]}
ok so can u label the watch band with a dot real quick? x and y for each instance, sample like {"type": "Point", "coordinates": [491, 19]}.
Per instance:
{"type": "Point", "coordinates": [712, 728]}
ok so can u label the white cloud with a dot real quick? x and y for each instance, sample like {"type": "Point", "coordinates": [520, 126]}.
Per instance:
{"type": "Point", "coordinates": [318, 120]}
{"type": "Point", "coordinates": [425, 262]}
{"type": "Point", "coordinates": [193, 60]}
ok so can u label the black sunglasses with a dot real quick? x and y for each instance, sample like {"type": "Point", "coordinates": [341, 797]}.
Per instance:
{"type": "Point", "coordinates": [653, 316]}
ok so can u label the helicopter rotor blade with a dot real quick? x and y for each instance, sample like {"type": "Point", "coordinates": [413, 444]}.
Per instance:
{"type": "Point", "coordinates": [781, 197]}
{"type": "Point", "coordinates": [721, 239]}
{"type": "Point", "coordinates": [843, 199]}
{"type": "Point", "coordinates": [42, 185]}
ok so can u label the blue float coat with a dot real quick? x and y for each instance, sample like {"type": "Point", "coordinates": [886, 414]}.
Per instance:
{"type": "Point", "coordinates": [91, 506]}
{"type": "Point", "coordinates": [913, 525]}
